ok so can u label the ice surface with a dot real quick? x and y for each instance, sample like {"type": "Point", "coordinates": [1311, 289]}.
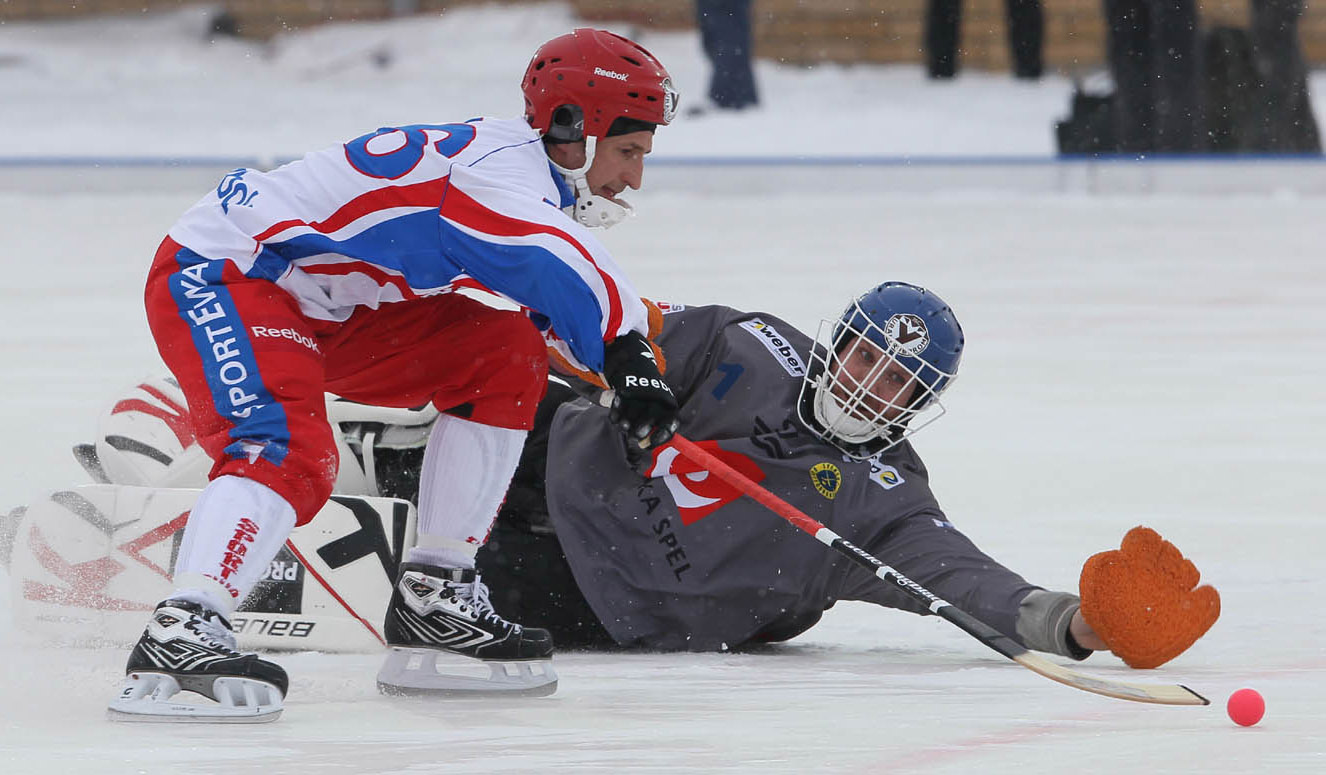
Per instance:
{"type": "Point", "coordinates": [1131, 360]}
{"type": "Point", "coordinates": [1137, 360]}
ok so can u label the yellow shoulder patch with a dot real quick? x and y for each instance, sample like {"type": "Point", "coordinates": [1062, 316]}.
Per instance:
{"type": "Point", "coordinates": [827, 479]}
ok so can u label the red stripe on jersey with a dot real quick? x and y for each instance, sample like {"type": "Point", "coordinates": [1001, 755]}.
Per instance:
{"type": "Point", "coordinates": [360, 267]}
{"type": "Point", "coordinates": [464, 210]}
{"type": "Point", "coordinates": [469, 282]}
{"type": "Point", "coordinates": [425, 194]}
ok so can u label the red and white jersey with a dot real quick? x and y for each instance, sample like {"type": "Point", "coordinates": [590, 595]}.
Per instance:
{"type": "Point", "coordinates": [418, 210]}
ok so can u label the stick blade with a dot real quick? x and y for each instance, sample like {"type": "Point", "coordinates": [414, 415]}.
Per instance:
{"type": "Point", "coordinates": [1157, 694]}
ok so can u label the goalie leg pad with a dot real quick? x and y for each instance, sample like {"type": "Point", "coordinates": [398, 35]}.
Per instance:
{"type": "Point", "coordinates": [147, 697]}
{"type": "Point", "coordinates": [416, 672]}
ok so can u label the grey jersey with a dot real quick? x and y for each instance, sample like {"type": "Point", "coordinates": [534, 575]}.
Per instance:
{"type": "Point", "coordinates": [670, 558]}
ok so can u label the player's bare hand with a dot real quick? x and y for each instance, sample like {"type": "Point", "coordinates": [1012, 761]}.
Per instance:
{"type": "Point", "coordinates": [1084, 636]}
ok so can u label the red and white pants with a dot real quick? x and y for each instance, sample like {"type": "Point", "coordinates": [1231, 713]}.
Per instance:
{"type": "Point", "coordinates": [255, 369]}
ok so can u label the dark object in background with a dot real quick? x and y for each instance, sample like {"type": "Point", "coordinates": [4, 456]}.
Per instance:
{"type": "Point", "coordinates": [1232, 83]}
{"type": "Point", "coordinates": [1153, 51]}
{"type": "Point", "coordinates": [1026, 35]}
{"type": "Point", "coordinates": [1257, 96]}
{"type": "Point", "coordinates": [1089, 127]}
{"type": "Point", "coordinates": [725, 32]}
{"type": "Point", "coordinates": [224, 23]}
{"type": "Point", "coordinates": [1288, 125]}
{"type": "Point", "coordinates": [1252, 95]}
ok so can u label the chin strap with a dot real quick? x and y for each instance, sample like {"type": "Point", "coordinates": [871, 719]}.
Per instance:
{"type": "Point", "coordinates": [837, 420]}
{"type": "Point", "coordinates": [591, 210]}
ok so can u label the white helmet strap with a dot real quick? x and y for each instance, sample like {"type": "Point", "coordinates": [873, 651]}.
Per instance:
{"type": "Point", "coordinates": [839, 420]}
{"type": "Point", "coordinates": [591, 210]}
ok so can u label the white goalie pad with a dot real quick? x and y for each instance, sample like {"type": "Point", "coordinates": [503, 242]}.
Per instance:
{"type": "Point", "coordinates": [144, 439]}
{"type": "Point", "coordinates": [147, 697]}
{"type": "Point", "coordinates": [89, 563]}
{"type": "Point", "coordinates": [416, 672]}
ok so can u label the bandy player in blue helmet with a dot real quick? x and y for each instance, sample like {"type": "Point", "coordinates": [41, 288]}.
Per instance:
{"type": "Point", "coordinates": [610, 546]}
{"type": "Point", "coordinates": [353, 271]}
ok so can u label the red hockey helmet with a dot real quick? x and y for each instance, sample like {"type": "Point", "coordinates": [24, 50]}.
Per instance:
{"type": "Point", "coordinates": [602, 77]}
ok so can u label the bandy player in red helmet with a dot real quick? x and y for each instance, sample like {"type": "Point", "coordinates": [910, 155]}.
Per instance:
{"type": "Point", "coordinates": [339, 273]}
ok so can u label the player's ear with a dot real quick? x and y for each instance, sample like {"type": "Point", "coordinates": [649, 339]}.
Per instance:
{"type": "Point", "coordinates": [569, 156]}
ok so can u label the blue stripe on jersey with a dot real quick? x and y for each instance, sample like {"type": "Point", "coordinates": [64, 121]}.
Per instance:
{"type": "Point", "coordinates": [407, 244]}
{"type": "Point", "coordinates": [500, 148]}
{"type": "Point", "coordinates": [568, 194]}
{"type": "Point", "coordinates": [222, 341]}
{"type": "Point", "coordinates": [268, 265]}
{"type": "Point", "coordinates": [537, 278]}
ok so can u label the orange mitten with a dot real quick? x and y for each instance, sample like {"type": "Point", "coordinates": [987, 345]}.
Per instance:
{"type": "Point", "coordinates": [656, 328]}
{"type": "Point", "coordinates": [655, 319]}
{"type": "Point", "coordinates": [562, 365]}
{"type": "Point", "coordinates": [1140, 599]}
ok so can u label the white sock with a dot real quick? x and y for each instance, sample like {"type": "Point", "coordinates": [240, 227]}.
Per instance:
{"type": "Point", "coordinates": [234, 532]}
{"type": "Point", "coordinates": [467, 469]}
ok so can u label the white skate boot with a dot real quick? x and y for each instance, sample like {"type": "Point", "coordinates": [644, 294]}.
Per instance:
{"type": "Point", "coordinates": [443, 615]}
{"type": "Point", "coordinates": [187, 647]}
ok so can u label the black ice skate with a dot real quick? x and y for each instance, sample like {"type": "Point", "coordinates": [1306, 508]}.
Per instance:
{"type": "Point", "coordinates": [444, 614]}
{"type": "Point", "coordinates": [187, 647]}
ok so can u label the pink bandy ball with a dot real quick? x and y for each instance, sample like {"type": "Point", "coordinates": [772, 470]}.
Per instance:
{"type": "Point", "coordinates": [1246, 707]}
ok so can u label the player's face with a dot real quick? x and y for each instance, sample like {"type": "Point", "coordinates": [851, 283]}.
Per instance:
{"type": "Point", "coordinates": [865, 372]}
{"type": "Point", "coordinates": [619, 163]}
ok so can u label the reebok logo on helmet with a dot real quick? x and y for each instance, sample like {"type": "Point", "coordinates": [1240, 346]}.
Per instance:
{"type": "Point", "coordinates": [610, 74]}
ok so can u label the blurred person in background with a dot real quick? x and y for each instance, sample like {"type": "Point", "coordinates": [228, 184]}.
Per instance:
{"type": "Point", "coordinates": [725, 33]}
{"type": "Point", "coordinates": [1026, 33]}
{"type": "Point", "coordinates": [1154, 56]}
{"type": "Point", "coordinates": [1283, 117]}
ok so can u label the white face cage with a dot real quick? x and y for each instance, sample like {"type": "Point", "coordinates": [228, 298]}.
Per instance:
{"type": "Point", "coordinates": [865, 393]}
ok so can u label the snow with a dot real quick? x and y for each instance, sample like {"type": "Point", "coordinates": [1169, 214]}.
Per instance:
{"type": "Point", "coordinates": [145, 85]}
{"type": "Point", "coordinates": [1139, 358]}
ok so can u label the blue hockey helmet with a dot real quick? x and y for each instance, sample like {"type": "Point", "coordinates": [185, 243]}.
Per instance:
{"type": "Point", "coordinates": [877, 368]}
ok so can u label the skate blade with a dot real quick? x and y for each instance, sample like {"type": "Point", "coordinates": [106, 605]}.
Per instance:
{"type": "Point", "coordinates": [417, 673]}
{"type": "Point", "coordinates": [146, 698]}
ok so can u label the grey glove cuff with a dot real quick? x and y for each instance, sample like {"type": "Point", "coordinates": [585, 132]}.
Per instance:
{"type": "Point", "coordinates": [1043, 619]}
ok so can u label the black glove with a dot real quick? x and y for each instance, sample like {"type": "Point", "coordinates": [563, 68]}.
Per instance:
{"type": "Point", "coordinates": [643, 406]}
